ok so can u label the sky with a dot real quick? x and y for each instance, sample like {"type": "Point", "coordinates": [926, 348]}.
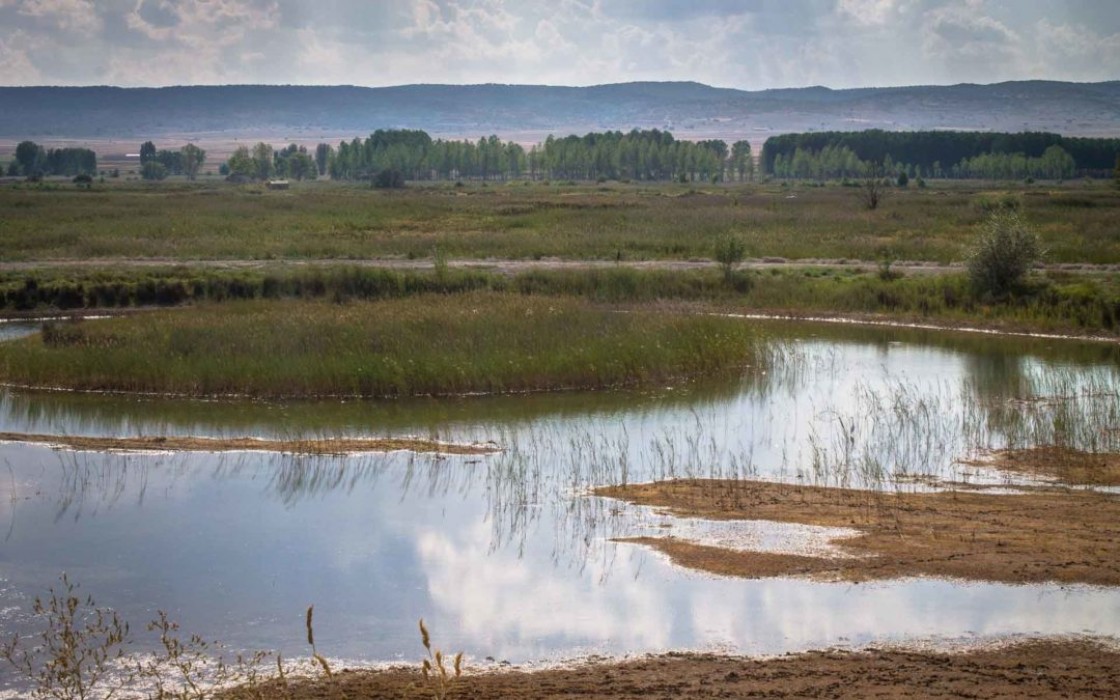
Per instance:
{"type": "Point", "coordinates": [745, 44]}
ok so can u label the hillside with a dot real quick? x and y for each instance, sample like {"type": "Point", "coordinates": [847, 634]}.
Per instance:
{"type": "Point", "coordinates": [689, 109]}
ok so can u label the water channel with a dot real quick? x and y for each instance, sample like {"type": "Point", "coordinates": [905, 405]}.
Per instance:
{"type": "Point", "coordinates": [504, 555]}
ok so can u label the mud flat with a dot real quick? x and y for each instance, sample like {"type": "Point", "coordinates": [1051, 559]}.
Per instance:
{"type": "Point", "coordinates": [1038, 535]}
{"type": "Point", "coordinates": [1062, 464]}
{"type": "Point", "coordinates": [243, 444]}
{"type": "Point", "coordinates": [1059, 668]}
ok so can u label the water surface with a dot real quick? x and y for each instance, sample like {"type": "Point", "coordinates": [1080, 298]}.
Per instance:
{"type": "Point", "coordinates": [504, 555]}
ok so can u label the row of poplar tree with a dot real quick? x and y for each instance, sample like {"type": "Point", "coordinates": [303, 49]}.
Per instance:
{"type": "Point", "coordinates": [414, 155]}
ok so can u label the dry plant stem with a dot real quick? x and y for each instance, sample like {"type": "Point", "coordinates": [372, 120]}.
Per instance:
{"type": "Point", "coordinates": [75, 655]}
{"type": "Point", "coordinates": [1042, 535]}
{"type": "Point", "coordinates": [434, 671]}
{"type": "Point", "coordinates": [336, 689]}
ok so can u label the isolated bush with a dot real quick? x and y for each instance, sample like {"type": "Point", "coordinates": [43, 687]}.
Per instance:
{"type": "Point", "coordinates": [1005, 251]}
{"type": "Point", "coordinates": [729, 252]}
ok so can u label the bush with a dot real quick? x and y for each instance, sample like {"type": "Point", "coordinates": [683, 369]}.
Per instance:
{"type": "Point", "coordinates": [1004, 253]}
{"type": "Point", "coordinates": [729, 252]}
{"type": "Point", "coordinates": [388, 179]}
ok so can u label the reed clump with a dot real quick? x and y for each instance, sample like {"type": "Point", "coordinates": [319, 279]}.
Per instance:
{"type": "Point", "coordinates": [427, 345]}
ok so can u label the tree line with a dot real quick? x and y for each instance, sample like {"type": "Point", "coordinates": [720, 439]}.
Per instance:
{"type": "Point", "coordinates": [959, 154]}
{"type": "Point", "coordinates": [156, 164]}
{"type": "Point", "coordinates": [32, 160]}
{"type": "Point", "coordinates": [636, 155]}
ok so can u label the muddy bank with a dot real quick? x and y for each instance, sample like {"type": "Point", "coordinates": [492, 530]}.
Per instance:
{"type": "Point", "coordinates": [1059, 463]}
{"type": "Point", "coordinates": [1036, 669]}
{"type": "Point", "coordinates": [242, 444]}
{"type": "Point", "coordinates": [1042, 535]}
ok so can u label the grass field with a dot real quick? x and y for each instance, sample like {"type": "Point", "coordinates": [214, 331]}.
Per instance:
{"type": "Point", "coordinates": [517, 220]}
{"type": "Point", "coordinates": [424, 345]}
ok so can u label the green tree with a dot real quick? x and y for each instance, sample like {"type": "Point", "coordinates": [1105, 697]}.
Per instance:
{"type": "Point", "coordinates": [153, 170]}
{"type": "Point", "coordinates": [147, 152]}
{"type": "Point", "coordinates": [192, 159]}
{"type": "Point", "coordinates": [241, 163]}
{"type": "Point", "coordinates": [300, 166]}
{"type": "Point", "coordinates": [1116, 172]}
{"type": "Point", "coordinates": [322, 157]}
{"type": "Point", "coordinates": [30, 157]}
{"type": "Point", "coordinates": [262, 161]}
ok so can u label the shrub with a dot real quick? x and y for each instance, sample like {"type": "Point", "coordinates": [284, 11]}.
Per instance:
{"type": "Point", "coordinates": [388, 179]}
{"type": "Point", "coordinates": [1005, 251]}
{"type": "Point", "coordinates": [729, 252]}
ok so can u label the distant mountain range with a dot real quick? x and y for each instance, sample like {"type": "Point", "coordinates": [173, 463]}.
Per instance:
{"type": "Point", "coordinates": [690, 110]}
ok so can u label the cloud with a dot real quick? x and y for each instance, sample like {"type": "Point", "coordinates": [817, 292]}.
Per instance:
{"type": "Point", "coordinates": [867, 12]}
{"type": "Point", "coordinates": [769, 43]}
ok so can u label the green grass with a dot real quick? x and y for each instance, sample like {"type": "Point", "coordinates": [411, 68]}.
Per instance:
{"type": "Point", "coordinates": [478, 342]}
{"type": "Point", "coordinates": [1054, 301]}
{"type": "Point", "coordinates": [325, 220]}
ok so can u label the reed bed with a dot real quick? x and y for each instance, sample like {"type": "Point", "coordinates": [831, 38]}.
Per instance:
{"type": "Point", "coordinates": [438, 345]}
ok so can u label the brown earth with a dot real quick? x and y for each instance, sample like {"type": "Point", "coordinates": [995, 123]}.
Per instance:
{"type": "Point", "coordinates": [1034, 669]}
{"type": "Point", "coordinates": [1039, 535]}
{"type": "Point", "coordinates": [1061, 463]}
{"type": "Point", "coordinates": [196, 444]}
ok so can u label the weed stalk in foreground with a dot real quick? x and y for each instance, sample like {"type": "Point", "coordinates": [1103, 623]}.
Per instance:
{"type": "Point", "coordinates": [435, 673]}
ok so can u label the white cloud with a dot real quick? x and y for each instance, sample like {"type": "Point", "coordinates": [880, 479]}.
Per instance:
{"type": "Point", "coordinates": [841, 43]}
{"type": "Point", "coordinates": [71, 16]}
{"type": "Point", "coordinates": [867, 12]}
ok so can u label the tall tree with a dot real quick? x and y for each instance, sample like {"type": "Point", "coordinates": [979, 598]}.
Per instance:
{"type": "Point", "coordinates": [147, 152]}
{"type": "Point", "coordinates": [241, 163]}
{"type": "Point", "coordinates": [29, 155]}
{"type": "Point", "coordinates": [322, 157]}
{"type": "Point", "coordinates": [192, 159]}
{"type": "Point", "coordinates": [262, 161]}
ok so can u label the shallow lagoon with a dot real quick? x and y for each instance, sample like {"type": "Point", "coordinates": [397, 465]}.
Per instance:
{"type": "Point", "coordinates": [503, 555]}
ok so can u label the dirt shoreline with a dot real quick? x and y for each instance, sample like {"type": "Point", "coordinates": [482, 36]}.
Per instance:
{"type": "Point", "coordinates": [1041, 535]}
{"type": "Point", "coordinates": [197, 444]}
{"type": "Point", "coordinates": [1043, 668]}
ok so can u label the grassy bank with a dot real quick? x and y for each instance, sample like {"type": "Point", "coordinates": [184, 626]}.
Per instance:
{"type": "Point", "coordinates": [518, 220]}
{"type": "Point", "coordinates": [424, 345]}
{"type": "Point", "coordinates": [1056, 301]}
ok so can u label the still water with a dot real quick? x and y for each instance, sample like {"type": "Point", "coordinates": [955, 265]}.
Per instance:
{"type": "Point", "coordinates": [504, 555]}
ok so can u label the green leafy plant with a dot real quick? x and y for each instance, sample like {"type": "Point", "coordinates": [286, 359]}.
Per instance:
{"type": "Point", "coordinates": [729, 252]}
{"type": "Point", "coordinates": [1005, 251]}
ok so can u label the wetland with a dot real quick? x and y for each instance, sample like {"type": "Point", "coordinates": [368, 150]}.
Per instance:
{"type": "Point", "coordinates": [541, 419]}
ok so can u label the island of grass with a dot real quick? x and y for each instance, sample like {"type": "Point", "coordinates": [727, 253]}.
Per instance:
{"type": "Point", "coordinates": [425, 345]}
